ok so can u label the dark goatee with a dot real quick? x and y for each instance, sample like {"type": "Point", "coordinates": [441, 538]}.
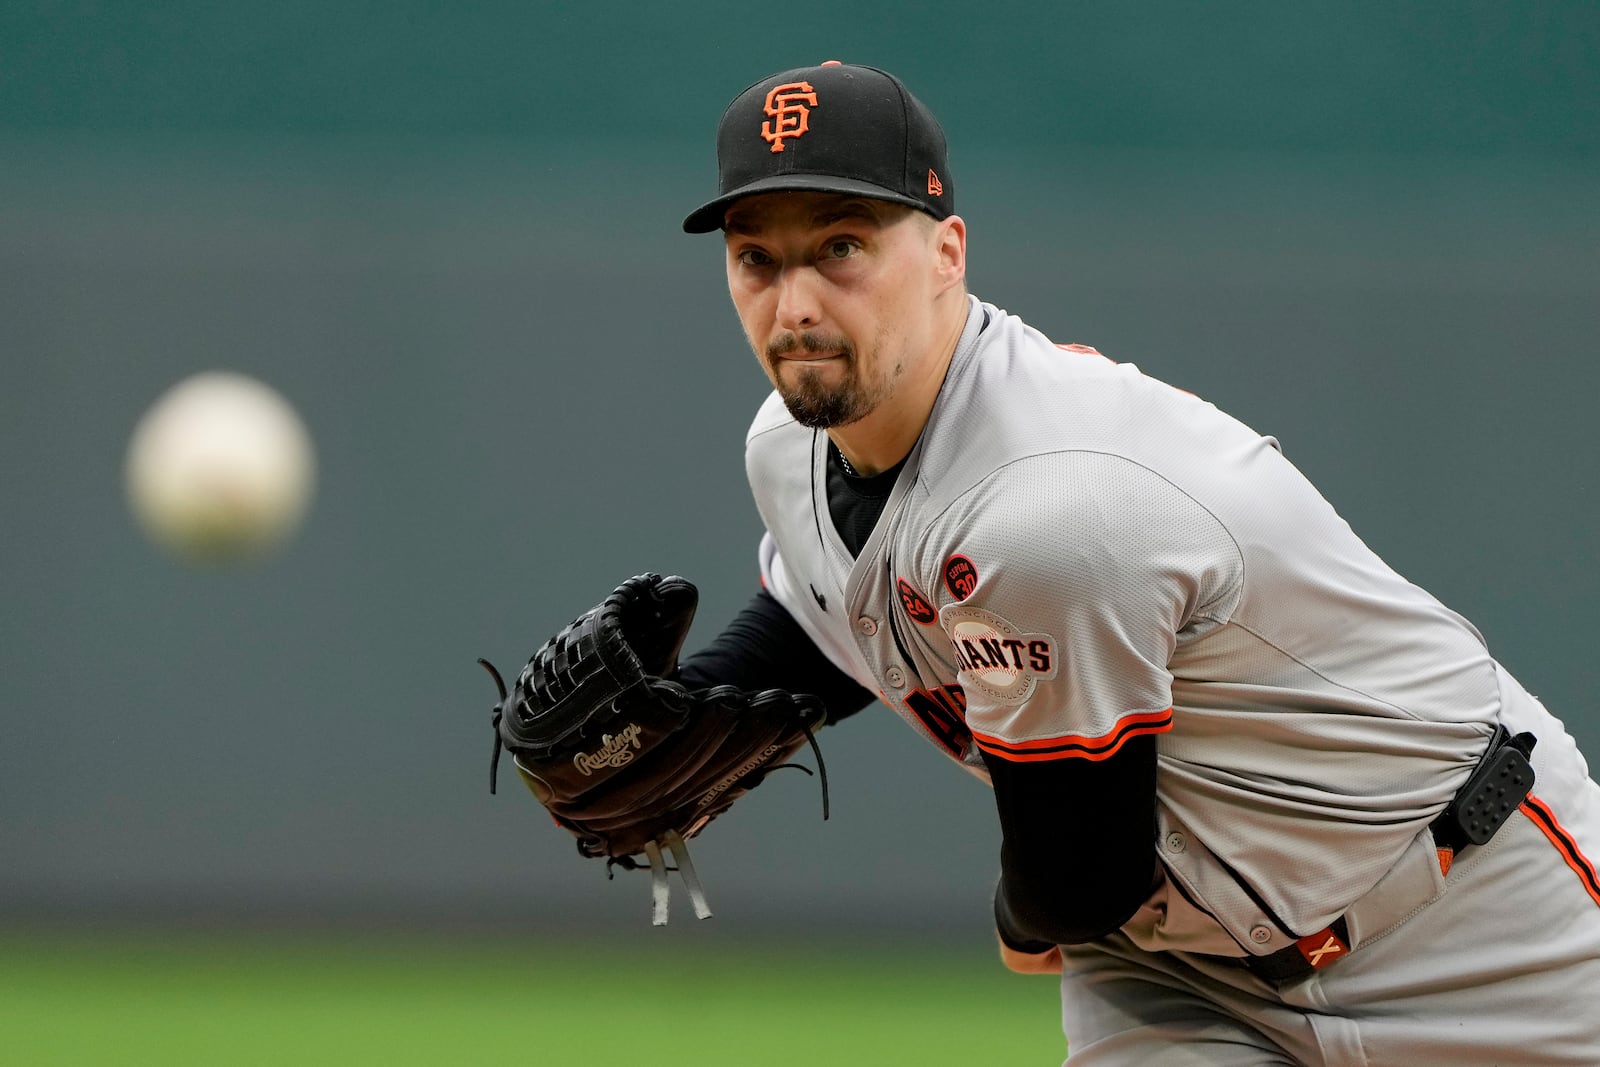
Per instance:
{"type": "Point", "coordinates": [811, 402]}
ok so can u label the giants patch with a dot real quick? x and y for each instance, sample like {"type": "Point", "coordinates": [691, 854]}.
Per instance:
{"type": "Point", "coordinates": [960, 577]}
{"type": "Point", "coordinates": [915, 604]}
{"type": "Point", "coordinates": [996, 658]}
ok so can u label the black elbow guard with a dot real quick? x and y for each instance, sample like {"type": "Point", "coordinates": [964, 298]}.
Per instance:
{"type": "Point", "coordinates": [1029, 913]}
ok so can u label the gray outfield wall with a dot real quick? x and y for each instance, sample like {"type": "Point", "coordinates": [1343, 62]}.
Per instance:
{"type": "Point", "coordinates": [454, 246]}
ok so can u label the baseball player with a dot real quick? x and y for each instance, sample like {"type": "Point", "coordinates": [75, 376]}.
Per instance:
{"type": "Point", "coordinates": [1263, 801]}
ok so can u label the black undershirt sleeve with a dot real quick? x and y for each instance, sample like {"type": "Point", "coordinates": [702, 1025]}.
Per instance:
{"type": "Point", "coordinates": [764, 648]}
{"type": "Point", "coordinates": [1078, 854]}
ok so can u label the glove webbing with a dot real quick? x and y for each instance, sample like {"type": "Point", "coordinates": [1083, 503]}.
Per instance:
{"type": "Point", "coordinates": [660, 890]}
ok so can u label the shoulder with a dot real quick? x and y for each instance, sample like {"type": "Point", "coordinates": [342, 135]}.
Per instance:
{"type": "Point", "coordinates": [1011, 369]}
{"type": "Point", "coordinates": [1096, 516]}
{"type": "Point", "coordinates": [1023, 416]}
{"type": "Point", "coordinates": [1012, 393]}
{"type": "Point", "coordinates": [1007, 349]}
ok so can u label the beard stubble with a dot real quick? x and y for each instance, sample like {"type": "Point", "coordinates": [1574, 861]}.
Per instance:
{"type": "Point", "coordinates": [812, 400]}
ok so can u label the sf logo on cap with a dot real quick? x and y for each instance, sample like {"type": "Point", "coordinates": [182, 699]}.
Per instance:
{"type": "Point", "coordinates": [790, 115]}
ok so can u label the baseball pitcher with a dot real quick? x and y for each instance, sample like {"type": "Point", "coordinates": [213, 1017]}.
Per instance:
{"type": "Point", "coordinates": [1263, 800]}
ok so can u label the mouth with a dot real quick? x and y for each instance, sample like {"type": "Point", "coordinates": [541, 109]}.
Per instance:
{"type": "Point", "coordinates": [808, 349]}
{"type": "Point", "coordinates": [811, 357]}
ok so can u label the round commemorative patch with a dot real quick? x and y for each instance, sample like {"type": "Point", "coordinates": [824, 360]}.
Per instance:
{"type": "Point", "coordinates": [995, 657]}
{"type": "Point", "coordinates": [960, 576]}
{"type": "Point", "coordinates": [915, 603]}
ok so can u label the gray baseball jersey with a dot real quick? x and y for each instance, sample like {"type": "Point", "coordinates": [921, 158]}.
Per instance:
{"type": "Point", "coordinates": [1075, 554]}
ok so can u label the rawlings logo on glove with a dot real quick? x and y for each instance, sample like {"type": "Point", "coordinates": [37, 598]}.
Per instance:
{"type": "Point", "coordinates": [614, 753]}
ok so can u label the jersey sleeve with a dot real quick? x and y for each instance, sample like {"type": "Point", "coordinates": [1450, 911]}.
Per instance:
{"type": "Point", "coordinates": [1066, 581]}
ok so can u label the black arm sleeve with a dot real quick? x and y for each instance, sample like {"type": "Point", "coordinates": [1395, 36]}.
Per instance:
{"type": "Point", "coordinates": [764, 648]}
{"type": "Point", "coordinates": [1078, 852]}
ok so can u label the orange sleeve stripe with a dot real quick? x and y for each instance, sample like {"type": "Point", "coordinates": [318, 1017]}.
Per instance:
{"type": "Point", "coordinates": [1086, 351]}
{"type": "Point", "coordinates": [1562, 838]}
{"type": "Point", "coordinates": [1076, 746]}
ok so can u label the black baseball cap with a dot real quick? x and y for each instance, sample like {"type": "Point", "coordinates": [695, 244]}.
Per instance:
{"type": "Point", "coordinates": [834, 128]}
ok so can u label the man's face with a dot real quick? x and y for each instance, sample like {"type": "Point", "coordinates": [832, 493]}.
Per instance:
{"type": "Point", "coordinates": [835, 294]}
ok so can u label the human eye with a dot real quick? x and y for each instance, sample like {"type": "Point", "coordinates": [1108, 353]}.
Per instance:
{"type": "Point", "coordinates": [841, 248]}
{"type": "Point", "coordinates": [754, 257]}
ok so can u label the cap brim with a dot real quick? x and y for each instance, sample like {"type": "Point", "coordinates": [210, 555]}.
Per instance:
{"type": "Point", "coordinates": [708, 217]}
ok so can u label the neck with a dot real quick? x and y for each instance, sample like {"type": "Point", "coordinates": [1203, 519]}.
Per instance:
{"type": "Point", "coordinates": [886, 436]}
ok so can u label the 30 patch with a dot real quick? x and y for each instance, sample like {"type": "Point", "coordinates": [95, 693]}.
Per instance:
{"type": "Point", "coordinates": [995, 657]}
{"type": "Point", "coordinates": [915, 603]}
{"type": "Point", "coordinates": [960, 576]}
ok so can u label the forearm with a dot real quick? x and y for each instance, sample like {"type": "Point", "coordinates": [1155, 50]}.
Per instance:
{"type": "Point", "coordinates": [764, 648]}
{"type": "Point", "coordinates": [1078, 854]}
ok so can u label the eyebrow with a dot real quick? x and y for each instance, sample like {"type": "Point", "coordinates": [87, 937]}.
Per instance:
{"type": "Point", "coordinates": [855, 209]}
{"type": "Point", "coordinates": [742, 223]}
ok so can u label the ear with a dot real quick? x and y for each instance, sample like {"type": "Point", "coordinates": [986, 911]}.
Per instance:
{"type": "Point", "coordinates": [950, 251]}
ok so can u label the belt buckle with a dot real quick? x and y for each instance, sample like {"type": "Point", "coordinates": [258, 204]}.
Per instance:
{"type": "Point", "coordinates": [1308, 954]}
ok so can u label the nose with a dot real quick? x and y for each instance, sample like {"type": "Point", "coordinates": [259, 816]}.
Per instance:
{"type": "Point", "coordinates": [798, 304]}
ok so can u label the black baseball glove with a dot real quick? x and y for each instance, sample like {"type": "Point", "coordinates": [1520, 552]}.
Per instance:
{"type": "Point", "coordinates": [625, 758]}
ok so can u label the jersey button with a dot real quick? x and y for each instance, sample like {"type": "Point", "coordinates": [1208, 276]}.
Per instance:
{"type": "Point", "coordinates": [1175, 842]}
{"type": "Point", "coordinates": [1260, 934]}
{"type": "Point", "coordinates": [867, 626]}
{"type": "Point", "coordinates": [895, 677]}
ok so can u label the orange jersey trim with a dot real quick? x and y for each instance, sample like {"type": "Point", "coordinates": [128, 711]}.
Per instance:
{"type": "Point", "coordinates": [1076, 746]}
{"type": "Point", "coordinates": [1085, 350]}
{"type": "Point", "coordinates": [1559, 836]}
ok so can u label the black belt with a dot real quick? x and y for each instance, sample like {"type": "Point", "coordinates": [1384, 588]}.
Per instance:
{"type": "Point", "coordinates": [1500, 782]}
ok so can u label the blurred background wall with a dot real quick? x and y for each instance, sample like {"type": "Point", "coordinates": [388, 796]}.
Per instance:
{"type": "Point", "coordinates": [449, 234]}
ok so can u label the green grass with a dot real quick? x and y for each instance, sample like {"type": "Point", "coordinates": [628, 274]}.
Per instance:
{"type": "Point", "coordinates": [257, 999]}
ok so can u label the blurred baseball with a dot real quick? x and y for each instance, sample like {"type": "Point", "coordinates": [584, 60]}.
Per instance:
{"type": "Point", "coordinates": [220, 468]}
